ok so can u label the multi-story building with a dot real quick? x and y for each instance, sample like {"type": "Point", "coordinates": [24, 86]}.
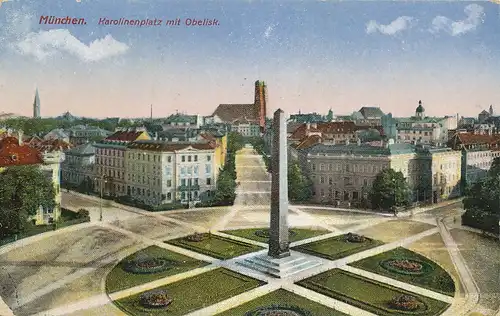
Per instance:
{"type": "Point", "coordinates": [246, 128]}
{"type": "Point", "coordinates": [161, 172]}
{"type": "Point", "coordinates": [219, 139]}
{"type": "Point", "coordinates": [81, 134]}
{"type": "Point", "coordinates": [330, 132]}
{"type": "Point", "coordinates": [58, 133]}
{"type": "Point", "coordinates": [183, 121]}
{"type": "Point", "coordinates": [446, 173]}
{"type": "Point", "coordinates": [78, 166]}
{"type": "Point", "coordinates": [345, 172]}
{"type": "Point", "coordinates": [478, 152]}
{"type": "Point", "coordinates": [110, 161]}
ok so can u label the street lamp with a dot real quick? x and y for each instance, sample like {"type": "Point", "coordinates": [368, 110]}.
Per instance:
{"type": "Point", "coordinates": [103, 181]}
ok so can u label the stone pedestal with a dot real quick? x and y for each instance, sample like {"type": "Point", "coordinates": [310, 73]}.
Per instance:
{"type": "Point", "coordinates": [280, 267]}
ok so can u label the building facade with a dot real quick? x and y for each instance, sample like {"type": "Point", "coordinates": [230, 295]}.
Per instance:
{"type": "Point", "coordinates": [82, 134]}
{"type": "Point", "coordinates": [109, 177]}
{"type": "Point", "coordinates": [78, 167]}
{"type": "Point", "coordinates": [246, 128]}
{"type": "Point", "coordinates": [161, 172]}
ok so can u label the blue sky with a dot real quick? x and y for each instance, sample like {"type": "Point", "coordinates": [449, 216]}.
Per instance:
{"type": "Point", "coordinates": [314, 55]}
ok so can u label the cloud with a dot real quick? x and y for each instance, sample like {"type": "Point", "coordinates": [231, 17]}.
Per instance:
{"type": "Point", "coordinates": [474, 13]}
{"type": "Point", "coordinates": [398, 25]}
{"type": "Point", "coordinates": [44, 44]}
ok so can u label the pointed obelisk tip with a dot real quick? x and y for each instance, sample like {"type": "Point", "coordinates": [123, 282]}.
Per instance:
{"type": "Point", "coordinates": [279, 111]}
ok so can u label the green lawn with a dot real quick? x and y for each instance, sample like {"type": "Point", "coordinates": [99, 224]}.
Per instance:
{"type": "Point", "coordinates": [216, 246]}
{"type": "Point", "coordinates": [298, 234]}
{"type": "Point", "coordinates": [335, 248]}
{"type": "Point", "coordinates": [119, 279]}
{"type": "Point", "coordinates": [194, 293]}
{"type": "Point", "coordinates": [434, 278]}
{"type": "Point", "coordinates": [285, 299]}
{"type": "Point", "coordinates": [367, 294]}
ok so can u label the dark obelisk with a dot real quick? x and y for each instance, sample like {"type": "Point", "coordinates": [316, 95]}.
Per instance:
{"type": "Point", "coordinates": [278, 234]}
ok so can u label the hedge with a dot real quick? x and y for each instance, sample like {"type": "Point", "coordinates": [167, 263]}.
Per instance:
{"type": "Point", "coordinates": [481, 220]}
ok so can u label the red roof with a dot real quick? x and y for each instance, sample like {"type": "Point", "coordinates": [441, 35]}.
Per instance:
{"type": "Point", "coordinates": [13, 154]}
{"type": "Point", "coordinates": [471, 138]}
{"type": "Point", "coordinates": [309, 141]}
{"type": "Point", "coordinates": [124, 136]}
{"type": "Point", "coordinates": [345, 127]}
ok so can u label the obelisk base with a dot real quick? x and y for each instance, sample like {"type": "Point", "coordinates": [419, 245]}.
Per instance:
{"type": "Point", "coordinates": [280, 267]}
{"type": "Point", "coordinates": [279, 251]}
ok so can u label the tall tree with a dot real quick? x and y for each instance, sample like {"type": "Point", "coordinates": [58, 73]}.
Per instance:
{"type": "Point", "coordinates": [390, 190]}
{"type": "Point", "coordinates": [23, 189]}
{"type": "Point", "coordinates": [299, 188]}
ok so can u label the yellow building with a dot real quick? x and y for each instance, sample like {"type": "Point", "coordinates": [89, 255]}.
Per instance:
{"type": "Point", "coordinates": [220, 149]}
{"type": "Point", "coordinates": [446, 173]}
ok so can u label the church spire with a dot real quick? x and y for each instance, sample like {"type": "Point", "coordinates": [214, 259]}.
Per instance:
{"type": "Point", "coordinates": [36, 105]}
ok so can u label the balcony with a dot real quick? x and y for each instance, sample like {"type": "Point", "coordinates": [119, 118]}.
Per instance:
{"type": "Point", "coordinates": [192, 187]}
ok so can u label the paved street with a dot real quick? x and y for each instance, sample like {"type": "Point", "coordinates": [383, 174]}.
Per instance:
{"type": "Point", "coordinates": [64, 274]}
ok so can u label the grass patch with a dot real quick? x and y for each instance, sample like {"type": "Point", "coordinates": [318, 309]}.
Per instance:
{"type": "Point", "coordinates": [434, 277]}
{"type": "Point", "coordinates": [216, 246]}
{"type": "Point", "coordinates": [119, 279]}
{"type": "Point", "coordinates": [297, 234]}
{"type": "Point", "coordinates": [194, 293]}
{"type": "Point", "coordinates": [283, 298]}
{"type": "Point", "coordinates": [336, 247]}
{"type": "Point", "coordinates": [367, 294]}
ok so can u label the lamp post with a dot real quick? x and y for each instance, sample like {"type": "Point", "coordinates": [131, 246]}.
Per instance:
{"type": "Point", "coordinates": [103, 181]}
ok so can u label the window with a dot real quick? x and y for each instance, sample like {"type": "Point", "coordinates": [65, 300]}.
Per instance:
{"type": "Point", "coordinates": [208, 169]}
{"type": "Point", "coordinates": [168, 171]}
{"type": "Point", "coordinates": [183, 182]}
{"type": "Point", "coordinates": [322, 180]}
{"type": "Point", "coordinates": [209, 181]}
{"type": "Point", "coordinates": [183, 195]}
{"type": "Point", "coordinates": [183, 158]}
{"type": "Point", "coordinates": [195, 158]}
{"type": "Point", "coordinates": [169, 196]}
{"type": "Point", "coordinates": [195, 171]}
{"type": "Point", "coordinates": [169, 183]}
{"type": "Point", "coordinates": [196, 181]}
{"type": "Point", "coordinates": [209, 157]}
{"type": "Point", "coordinates": [313, 166]}
{"type": "Point", "coordinates": [189, 158]}
{"type": "Point", "coordinates": [330, 181]}
{"type": "Point", "coordinates": [169, 159]}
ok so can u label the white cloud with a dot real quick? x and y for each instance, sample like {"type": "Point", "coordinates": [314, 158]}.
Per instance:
{"type": "Point", "coordinates": [44, 44]}
{"type": "Point", "coordinates": [398, 25]}
{"type": "Point", "coordinates": [474, 13]}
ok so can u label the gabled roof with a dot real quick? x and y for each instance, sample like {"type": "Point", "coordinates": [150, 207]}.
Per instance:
{"type": "Point", "coordinates": [124, 136]}
{"type": "Point", "coordinates": [484, 112]}
{"type": "Point", "coordinates": [51, 145]}
{"type": "Point", "coordinates": [309, 141]}
{"type": "Point", "coordinates": [474, 139]}
{"type": "Point", "coordinates": [371, 112]}
{"type": "Point", "coordinates": [232, 112]}
{"type": "Point", "coordinates": [13, 154]}
{"type": "Point", "coordinates": [345, 127]}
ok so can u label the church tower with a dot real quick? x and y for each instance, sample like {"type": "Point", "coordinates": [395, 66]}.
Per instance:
{"type": "Point", "coordinates": [420, 111]}
{"type": "Point", "coordinates": [261, 102]}
{"type": "Point", "coordinates": [491, 110]}
{"type": "Point", "coordinates": [36, 105]}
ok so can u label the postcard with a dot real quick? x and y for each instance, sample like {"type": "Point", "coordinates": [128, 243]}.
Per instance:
{"type": "Point", "coordinates": [249, 158]}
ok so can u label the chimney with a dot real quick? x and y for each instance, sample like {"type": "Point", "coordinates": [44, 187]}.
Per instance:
{"type": "Point", "coordinates": [20, 137]}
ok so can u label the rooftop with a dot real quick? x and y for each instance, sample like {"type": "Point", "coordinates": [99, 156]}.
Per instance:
{"type": "Point", "coordinates": [14, 154]}
{"type": "Point", "coordinates": [152, 145]}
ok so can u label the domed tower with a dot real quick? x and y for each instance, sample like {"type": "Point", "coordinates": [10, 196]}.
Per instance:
{"type": "Point", "coordinates": [420, 111]}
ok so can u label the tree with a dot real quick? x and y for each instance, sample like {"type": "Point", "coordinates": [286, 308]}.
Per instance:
{"type": "Point", "coordinates": [226, 186]}
{"type": "Point", "coordinates": [495, 168]}
{"type": "Point", "coordinates": [299, 186]}
{"type": "Point", "coordinates": [23, 189]}
{"type": "Point", "coordinates": [390, 190]}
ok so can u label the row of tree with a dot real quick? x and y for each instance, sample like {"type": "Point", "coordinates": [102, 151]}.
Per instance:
{"type": "Point", "coordinates": [41, 126]}
{"type": "Point", "coordinates": [482, 201]}
{"type": "Point", "coordinates": [226, 180]}
{"type": "Point", "coordinates": [23, 189]}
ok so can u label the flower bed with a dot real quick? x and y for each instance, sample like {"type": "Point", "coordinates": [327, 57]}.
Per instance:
{"type": "Point", "coordinates": [155, 299]}
{"type": "Point", "coordinates": [405, 303]}
{"type": "Point", "coordinates": [405, 266]}
{"type": "Point", "coordinates": [265, 233]}
{"type": "Point", "coordinates": [196, 237]}
{"type": "Point", "coordinates": [147, 265]}
{"type": "Point", "coordinates": [279, 310]}
{"type": "Point", "coordinates": [351, 237]}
